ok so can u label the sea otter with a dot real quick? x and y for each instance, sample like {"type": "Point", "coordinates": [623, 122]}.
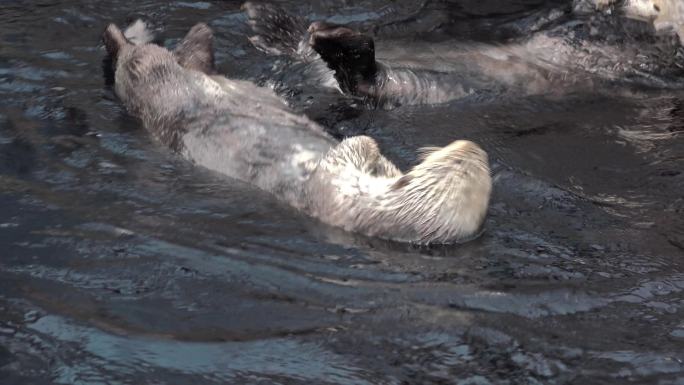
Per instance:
{"type": "Point", "coordinates": [578, 52]}
{"type": "Point", "coordinates": [247, 132]}
{"type": "Point", "coordinates": [667, 16]}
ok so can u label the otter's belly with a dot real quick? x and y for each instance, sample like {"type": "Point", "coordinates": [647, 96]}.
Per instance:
{"type": "Point", "coordinates": [276, 158]}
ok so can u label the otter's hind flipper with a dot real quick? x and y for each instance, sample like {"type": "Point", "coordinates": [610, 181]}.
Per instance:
{"type": "Point", "coordinates": [277, 32]}
{"type": "Point", "coordinates": [136, 34]}
{"type": "Point", "coordinates": [349, 53]}
{"type": "Point", "coordinates": [114, 40]}
{"type": "Point", "coordinates": [196, 50]}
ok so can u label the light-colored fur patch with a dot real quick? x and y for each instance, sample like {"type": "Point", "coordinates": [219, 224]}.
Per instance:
{"type": "Point", "coordinates": [138, 33]}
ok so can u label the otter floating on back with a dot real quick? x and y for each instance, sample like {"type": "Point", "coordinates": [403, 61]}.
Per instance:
{"type": "Point", "coordinates": [248, 133]}
{"type": "Point", "coordinates": [574, 55]}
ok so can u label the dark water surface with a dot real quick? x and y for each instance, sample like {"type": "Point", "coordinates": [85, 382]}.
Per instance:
{"type": "Point", "coordinates": [120, 263]}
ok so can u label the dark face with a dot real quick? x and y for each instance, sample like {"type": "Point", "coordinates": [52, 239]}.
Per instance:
{"type": "Point", "coordinates": [347, 52]}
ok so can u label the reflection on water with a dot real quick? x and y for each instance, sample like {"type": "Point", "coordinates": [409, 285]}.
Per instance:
{"type": "Point", "coordinates": [227, 361]}
{"type": "Point", "coordinates": [123, 264]}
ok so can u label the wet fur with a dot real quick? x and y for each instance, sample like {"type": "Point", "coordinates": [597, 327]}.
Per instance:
{"type": "Point", "coordinates": [667, 16]}
{"type": "Point", "coordinates": [248, 133]}
{"type": "Point", "coordinates": [565, 58]}
{"type": "Point", "coordinates": [350, 54]}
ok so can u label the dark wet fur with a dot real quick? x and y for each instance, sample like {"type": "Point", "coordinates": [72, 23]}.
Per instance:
{"type": "Point", "coordinates": [579, 59]}
{"type": "Point", "coordinates": [350, 54]}
{"type": "Point", "coordinates": [347, 52]}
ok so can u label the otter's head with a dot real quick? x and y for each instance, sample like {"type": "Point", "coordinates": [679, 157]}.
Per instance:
{"type": "Point", "coordinates": [647, 10]}
{"type": "Point", "coordinates": [347, 52]}
{"type": "Point", "coordinates": [665, 15]}
{"type": "Point", "coordinates": [444, 199]}
{"type": "Point", "coordinates": [447, 195]}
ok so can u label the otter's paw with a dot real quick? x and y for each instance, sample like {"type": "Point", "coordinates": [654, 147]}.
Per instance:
{"type": "Point", "coordinates": [362, 152]}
